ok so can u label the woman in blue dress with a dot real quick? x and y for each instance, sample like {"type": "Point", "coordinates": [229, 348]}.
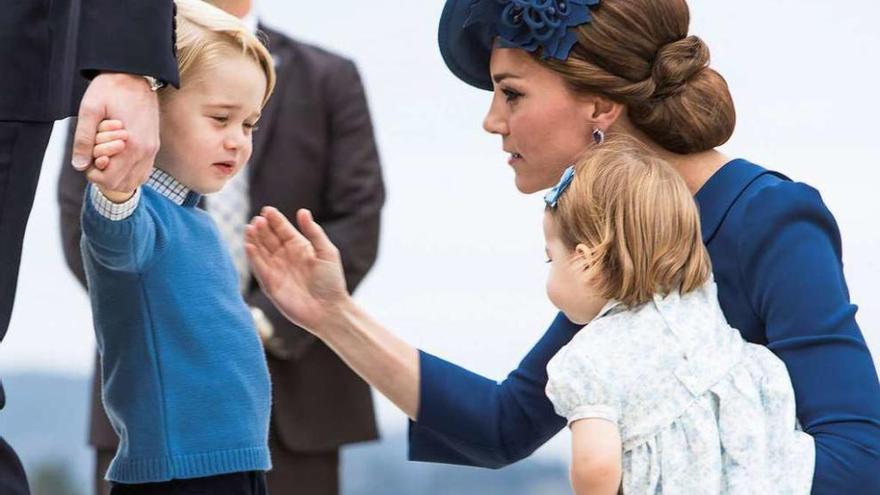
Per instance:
{"type": "Point", "coordinates": [563, 73]}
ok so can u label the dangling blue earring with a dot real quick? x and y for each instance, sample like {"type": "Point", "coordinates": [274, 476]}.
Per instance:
{"type": "Point", "coordinates": [598, 136]}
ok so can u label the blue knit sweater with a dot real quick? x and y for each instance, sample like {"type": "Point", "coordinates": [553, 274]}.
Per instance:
{"type": "Point", "coordinates": [184, 377]}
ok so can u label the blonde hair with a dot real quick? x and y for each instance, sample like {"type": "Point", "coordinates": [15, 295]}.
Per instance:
{"type": "Point", "coordinates": [637, 219]}
{"type": "Point", "coordinates": [205, 33]}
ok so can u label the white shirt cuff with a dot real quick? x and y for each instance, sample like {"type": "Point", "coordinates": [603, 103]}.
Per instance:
{"type": "Point", "coordinates": [114, 211]}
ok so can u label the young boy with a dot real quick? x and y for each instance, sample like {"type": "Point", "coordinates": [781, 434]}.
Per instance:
{"type": "Point", "coordinates": [184, 377]}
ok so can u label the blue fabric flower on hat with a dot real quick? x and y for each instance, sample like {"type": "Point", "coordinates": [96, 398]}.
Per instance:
{"type": "Point", "coordinates": [552, 196]}
{"type": "Point", "coordinates": [533, 24]}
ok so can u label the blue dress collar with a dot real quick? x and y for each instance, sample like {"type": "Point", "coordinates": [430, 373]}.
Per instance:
{"type": "Point", "coordinates": [721, 191]}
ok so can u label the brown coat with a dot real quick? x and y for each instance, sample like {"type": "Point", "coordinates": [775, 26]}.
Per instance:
{"type": "Point", "coordinates": [314, 149]}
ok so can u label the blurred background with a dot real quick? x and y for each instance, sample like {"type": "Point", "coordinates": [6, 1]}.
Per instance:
{"type": "Point", "coordinates": [460, 270]}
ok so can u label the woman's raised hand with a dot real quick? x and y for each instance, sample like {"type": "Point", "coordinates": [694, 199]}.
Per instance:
{"type": "Point", "coordinates": [300, 271]}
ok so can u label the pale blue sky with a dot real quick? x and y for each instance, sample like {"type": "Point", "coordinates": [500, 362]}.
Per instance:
{"type": "Point", "coordinates": [461, 270]}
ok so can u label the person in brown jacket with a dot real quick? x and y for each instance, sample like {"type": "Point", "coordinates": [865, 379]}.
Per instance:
{"type": "Point", "coordinates": [314, 149]}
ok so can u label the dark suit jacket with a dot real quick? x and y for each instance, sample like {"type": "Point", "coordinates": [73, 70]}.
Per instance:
{"type": "Point", "coordinates": [48, 45]}
{"type": "Point", "coordinates": [314, 149]}
{"type": "Point", "coordinates": [47, 50]}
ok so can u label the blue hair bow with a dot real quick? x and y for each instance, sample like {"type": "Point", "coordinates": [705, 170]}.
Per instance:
{"type": "Point", "coordinates": [552, 196]}
{"type": "Point", "coordinates": [533, 24]}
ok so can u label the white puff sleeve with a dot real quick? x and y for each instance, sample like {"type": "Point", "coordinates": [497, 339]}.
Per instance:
{"type": "Point", "coordinates": [577, 390]}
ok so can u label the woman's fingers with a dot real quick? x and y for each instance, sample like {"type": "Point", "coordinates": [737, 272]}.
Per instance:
{"type": "Point", "coordinates": [251, 236]}
{"type": "Point", "coordinates": [250, 233]}
{"type": "Point", "coordinates": [315, 234]}
{"type": "Point", "coordinates": [282, 228]}
{"type": "Point", "coordinates": [265, 236]}
{"type": "Point", "coordinates": [258, 234]}
{"type": "Point", "coordinates": [259, 261]}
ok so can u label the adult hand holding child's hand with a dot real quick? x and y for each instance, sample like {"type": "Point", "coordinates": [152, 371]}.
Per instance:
{"type": "Point", "coordinates": [129, 99]}
{"type": "Point", "coordinates": [300, 271]}
{"type": "Point", "coordinates": [110, 141]}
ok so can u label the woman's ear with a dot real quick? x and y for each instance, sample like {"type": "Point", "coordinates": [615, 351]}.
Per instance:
{"type": "Point", "coordinates": [601, 112]}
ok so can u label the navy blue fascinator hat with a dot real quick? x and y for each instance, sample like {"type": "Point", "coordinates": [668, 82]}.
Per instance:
{"type": "Point", "coordinates": [469, 28]}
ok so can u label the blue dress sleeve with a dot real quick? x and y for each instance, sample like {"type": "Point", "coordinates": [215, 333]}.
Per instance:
{"type": "Point", "coordinates": [790, 261]}
{"type": "Point", "coordinates": [468, 419]}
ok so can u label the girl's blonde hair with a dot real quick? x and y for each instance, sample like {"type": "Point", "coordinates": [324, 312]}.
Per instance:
{"type": "Point", "coordinates": [638, 220]}
{"type": "Point", "coordinates": [205, 34]}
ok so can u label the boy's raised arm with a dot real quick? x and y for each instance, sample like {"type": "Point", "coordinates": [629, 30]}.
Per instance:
{"type": "Point", "coordinates": [112, 232]}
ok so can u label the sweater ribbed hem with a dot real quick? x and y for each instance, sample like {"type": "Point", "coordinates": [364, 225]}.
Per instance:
{"type": "Point", "coordinates": [156, 469]}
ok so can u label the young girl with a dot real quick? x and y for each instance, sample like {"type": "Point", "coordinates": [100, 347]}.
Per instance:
{"type": "Point", "coordinates": [657, 388]}
{"type": "Point", "coordinates": [184, 378]}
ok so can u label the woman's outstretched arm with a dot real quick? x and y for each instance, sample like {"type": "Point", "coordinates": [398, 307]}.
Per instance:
{"type": "Point", "coordinates": [467, 419]}
{"type": "Point", "coordinates": [459, 417]}
{"type": "Point", "coordinates": [302, 275]}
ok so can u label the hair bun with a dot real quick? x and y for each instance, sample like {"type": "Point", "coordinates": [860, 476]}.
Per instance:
{"type": "Point", "coordinates": [676, 63]}
{"type": "Point", "coordinates": [638, 53]}
{"type": "Point", "coordinates": [691, 109]}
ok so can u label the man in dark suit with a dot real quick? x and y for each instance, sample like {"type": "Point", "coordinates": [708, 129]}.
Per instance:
{"type": "Point", "coordinates": [314, 149]}
{"type": "Point", "coordinates": [50, 48]}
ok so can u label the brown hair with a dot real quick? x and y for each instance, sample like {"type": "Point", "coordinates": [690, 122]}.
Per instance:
{"type": "Point", "coordinates": [204, 33]}
{"type": "Point", "coordinates": [637, 218]}
{"type": "Point", "coordinates": [638, 53]}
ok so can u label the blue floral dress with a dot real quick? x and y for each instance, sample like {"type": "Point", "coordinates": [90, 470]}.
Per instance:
{"type": "Point", "coordinates": [700, 410]}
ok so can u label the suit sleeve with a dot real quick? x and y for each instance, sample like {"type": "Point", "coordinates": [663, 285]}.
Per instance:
{"type": "Point", "coordinates": [468, 419]}
{"type": "Point", "coordinates": [71, 185]}
{"type": "Point", "coordinates": [352, 200]}
{"type": "Point", "coordinates": [791, 267]}
{"type": "Point", "coordinates": [355, 192]}
{"type": "Point", "coordinates": [132, 36]}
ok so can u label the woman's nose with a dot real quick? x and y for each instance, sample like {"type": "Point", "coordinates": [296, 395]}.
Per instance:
{"type": "Point", "coordinates": [495, 121]}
